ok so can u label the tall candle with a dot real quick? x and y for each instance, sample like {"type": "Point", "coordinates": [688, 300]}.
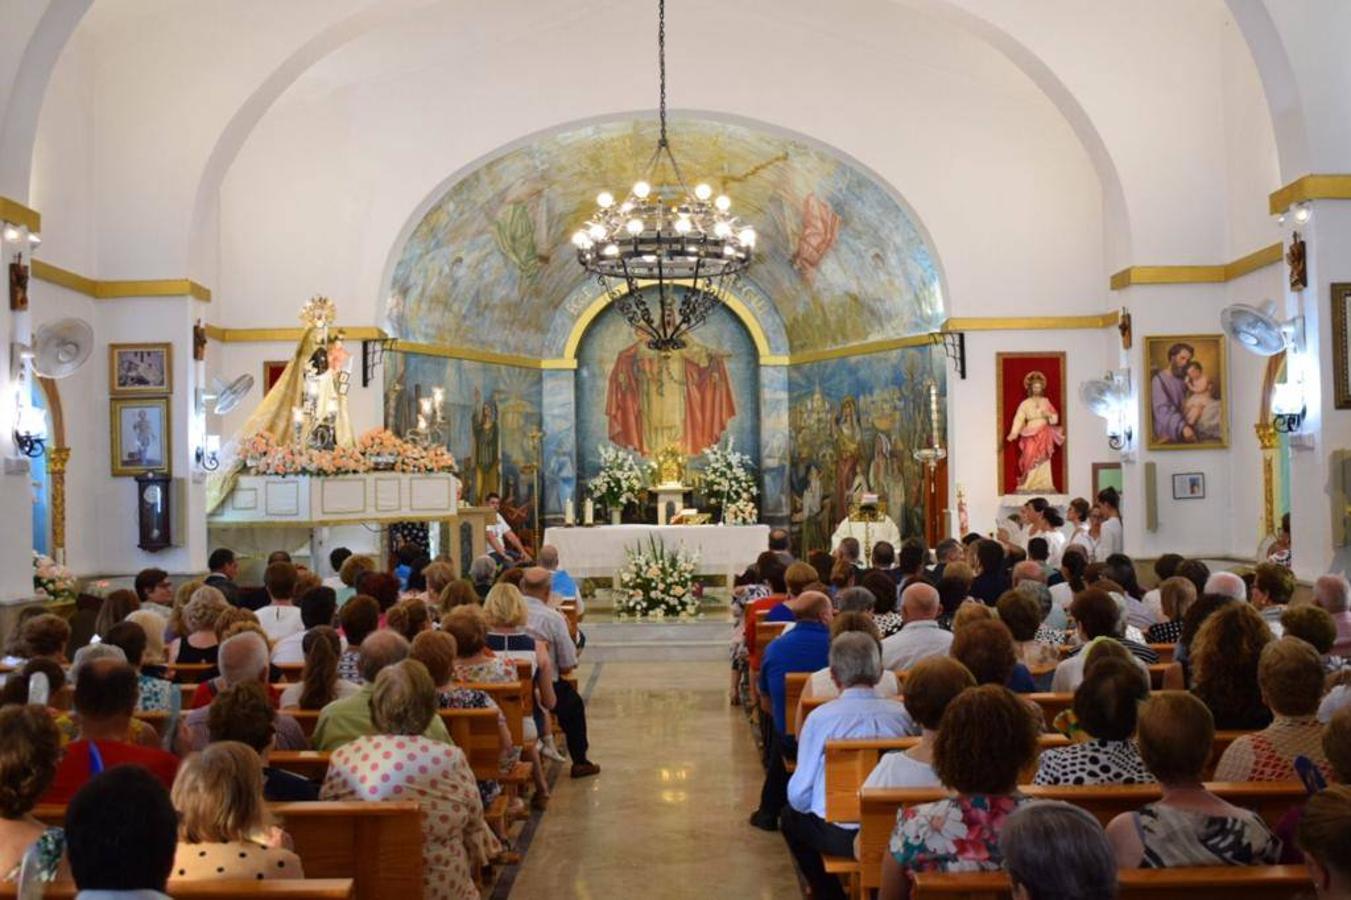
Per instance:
{"type": "Point", "coordinates": [569, 513]}
{"type": "Point", "coordinates": [438, 399]}
{"type": "Point", "coordinates": [589, 512]}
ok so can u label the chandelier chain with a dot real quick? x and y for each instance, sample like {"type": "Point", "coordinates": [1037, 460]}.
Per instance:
{"type": "Point", "coordinates": [661, 68]}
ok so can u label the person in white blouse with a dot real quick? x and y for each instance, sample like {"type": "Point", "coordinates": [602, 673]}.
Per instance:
{"type": "Point", "coordinates": [1112, 539]}
{"type": "Point", "coordinates": [281, 617]}
{"type": "Point", "coordinates": [929, 687]}
{"type": "Point", "coordinates": [1076, 526]}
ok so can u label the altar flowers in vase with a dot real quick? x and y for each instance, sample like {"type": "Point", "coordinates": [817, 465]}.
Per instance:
{"type": "Point", "coordinates": [620, 479]}
{"type": "Point", "coordinates": [729, 484]}
{"type": "Point", "coordinates": [51, 581]}
{"type": "Point", "coordinates": [376, 450]}
{"type": "Point", "coordinates": [658, 583]}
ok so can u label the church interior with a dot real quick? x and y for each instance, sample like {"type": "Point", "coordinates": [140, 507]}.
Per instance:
{"type": "Point", "coordinates": [697, 320]}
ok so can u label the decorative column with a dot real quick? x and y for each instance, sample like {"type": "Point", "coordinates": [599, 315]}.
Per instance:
{"type": "Point", "coordinates": [57, 459]}
{"type": "Point", "coordinates": [1269, 442]}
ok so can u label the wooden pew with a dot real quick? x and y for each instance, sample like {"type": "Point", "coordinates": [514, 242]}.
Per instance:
{"type": "Point", "coordinates": [569, 611]}
{"type": "Point", "coordinates": [765, 632]}
{"type": "Point", "coordinates": [190, 673]}
{"type": "Point", "coordinates": [878, 808]}
{"type": "Point", "coordinates": [1201, 883]}
{"type": "Point", "coordinates": [292, 672]}
{"type": "Point", "coordinates": [377, 845]}
{"type": "Point", "coordinates": [1165, 652]}
{"type": "Point", "coordinates": [223, 889]}
{"type": "Point", "coordinates": [793, 683]}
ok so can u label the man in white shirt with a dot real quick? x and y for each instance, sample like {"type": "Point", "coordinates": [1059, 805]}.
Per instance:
{"type": "Point", "coordinates": [281, 616]}
{"type": "Point", "coordinates": [921, 635]}
{"type": "Point", "coordinates": [547, 624]}
{"type": "Point", "coordinates": [855, 667]}
{"type": "Point", "coordinates": [505, 544]}
{"type": "Point", "coordinates": [317, 607]}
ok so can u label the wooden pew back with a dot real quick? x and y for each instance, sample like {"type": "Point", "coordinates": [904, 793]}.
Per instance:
{"type": "Point", "coordinates": [1202, 883]}
{"type": "Point", "coordinates": [378, 845]}
{"type": "Point", "coordinates": [223, 889]}
{"type": "Point", "coordinates": [878, 808]}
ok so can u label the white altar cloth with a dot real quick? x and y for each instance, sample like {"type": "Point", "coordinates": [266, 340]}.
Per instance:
{"type": "Point", "coordinates": [600, 551]}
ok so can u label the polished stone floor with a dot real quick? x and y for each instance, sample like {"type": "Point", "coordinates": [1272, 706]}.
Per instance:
{"type": "Point", "coordinates": [667, 815]}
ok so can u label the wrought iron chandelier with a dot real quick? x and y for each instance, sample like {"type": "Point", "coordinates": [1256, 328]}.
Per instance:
{"type": "Point", "coordinates": [685, 244]}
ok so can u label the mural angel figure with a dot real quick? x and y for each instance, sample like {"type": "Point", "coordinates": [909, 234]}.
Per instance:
{"type": "Point", "coordinates": [1036, 428]}
{"type": "Point", "coordinates": [820, 228]}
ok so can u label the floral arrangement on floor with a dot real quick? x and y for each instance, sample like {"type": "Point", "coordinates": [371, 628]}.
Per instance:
{"type": "Point", "coordinates": [51, 581]}
{"type": "Point", "coordinates": [620, 479]}
{"type": "Point", "coordinates": [729, 484]}
{"type": "Point", "coordinates": [376, 450]}
{"type": "Point", "coordinates": [657, 583]}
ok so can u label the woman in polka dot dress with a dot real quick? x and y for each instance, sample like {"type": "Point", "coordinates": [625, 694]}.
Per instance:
{"type": "Point", "coordinates": [398, 763]}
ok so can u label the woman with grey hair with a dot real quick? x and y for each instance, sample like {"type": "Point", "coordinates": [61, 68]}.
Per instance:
{"type": "Point", "coordinates": [1056, 851]}
{"type": "Point", "coordinates": [481, 572]}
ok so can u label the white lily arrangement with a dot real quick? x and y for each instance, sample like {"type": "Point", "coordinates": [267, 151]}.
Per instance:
{"type": "Point", "coordinates": [658, 583]}
{"type": "Point", "coordinates": [620, 479]}
{"type": "Point", "coordinates": [729, 484]}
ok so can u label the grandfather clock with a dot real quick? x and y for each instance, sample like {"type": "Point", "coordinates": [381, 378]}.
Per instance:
{"type": "Point", "coordinates": [153, 507]}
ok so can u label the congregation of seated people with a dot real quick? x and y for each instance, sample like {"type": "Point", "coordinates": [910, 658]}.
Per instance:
{"type": "Point", "coordinates": [178, 702]}
{"type": "Point", "coordinates": [999, 671]}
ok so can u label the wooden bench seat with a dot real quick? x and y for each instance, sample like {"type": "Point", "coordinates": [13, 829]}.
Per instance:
{"type": "Point", "coordinates": [377, 845]}
{"type": "Point", "coordinates": [878, 808]}
{"type": "Point", "coordinates": [224, 889]}
{"type": "Point", "coordinates": [1201, 883]}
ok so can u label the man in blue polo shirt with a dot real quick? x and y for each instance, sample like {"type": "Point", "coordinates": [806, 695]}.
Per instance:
{"type": "Point", "coordinates": [803, 648]}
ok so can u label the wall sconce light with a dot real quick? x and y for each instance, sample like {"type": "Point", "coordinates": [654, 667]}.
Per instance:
{"type": "Point", "coordinates": [1288, 407]}
{"type": "Point", "coordinates": [30, 432]}
{"type": "Point", "coordinates": [208, 454]}
{"type": "Point", "coordinates": [1108, 397]}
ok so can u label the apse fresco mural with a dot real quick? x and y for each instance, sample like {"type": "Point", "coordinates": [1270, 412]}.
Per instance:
{"type": "Point", "coordinates": [490, 412]}
{"type": "Point", "coordinates": [645, 401]}
{"type": "Point", "coordinates": [490, 263]}
{"type": "Point", "coordinates": [854, 423]}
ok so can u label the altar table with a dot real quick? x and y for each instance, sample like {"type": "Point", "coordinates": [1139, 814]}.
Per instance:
{"type": "Point", "coordinates": [601, 550]}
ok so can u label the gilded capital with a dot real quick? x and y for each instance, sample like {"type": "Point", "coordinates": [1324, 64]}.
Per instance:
{"type": "Point", "coordinates": [57, 458]}
{"type": "Point", "coordinates": [1266, 436]}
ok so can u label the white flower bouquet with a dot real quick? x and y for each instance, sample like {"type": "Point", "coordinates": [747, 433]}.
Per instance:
{"type": "Point", "coordinates": [729, 484]}
{"type": "Point", "coordinates": [52, 582]}
{"type": "Point", "coordinates": [658, 583]}
{"type": "Point", "coordinates": [620, 479]}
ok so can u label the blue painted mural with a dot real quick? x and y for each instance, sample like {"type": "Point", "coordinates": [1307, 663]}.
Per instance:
{"type": "Point", "coordinates": [854, 424]}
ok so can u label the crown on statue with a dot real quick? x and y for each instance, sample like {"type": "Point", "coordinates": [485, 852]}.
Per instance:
{"type": "Point", "coordinates": [319, 312]}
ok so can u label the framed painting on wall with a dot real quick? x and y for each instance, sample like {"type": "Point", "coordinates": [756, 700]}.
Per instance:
{"type": "Point", "coordinates": [1187, 404]}
{"type": "Point", "coordinates": [1030, 396]}
{"type": "Point", "coordinates": [273, 369]}
{"type": "Point", "coordinates": [140, 369]}
{"type": "Point", "coordinates": [1189, 486]}
{"type": "Point", "coordinates": [141, 435]}
{"type": "Point", "coordinates": [1341, 339]}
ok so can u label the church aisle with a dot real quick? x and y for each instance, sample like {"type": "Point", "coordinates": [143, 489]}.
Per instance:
{"type": "Point", "coordinates": [667, 816]}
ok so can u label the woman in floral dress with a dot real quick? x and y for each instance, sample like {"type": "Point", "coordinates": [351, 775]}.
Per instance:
{"type": "Point", "coordinates": [398, 763]}
{"type": "Point", "coordinates": [987, 740]}
{"type": "Point", "coordinates": [30, 748]}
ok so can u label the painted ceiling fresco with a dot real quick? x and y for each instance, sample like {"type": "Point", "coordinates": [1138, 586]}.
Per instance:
{"type": "Point", "coordinates": [490, 264]}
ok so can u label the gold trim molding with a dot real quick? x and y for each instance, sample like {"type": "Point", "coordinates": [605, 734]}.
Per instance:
{"type": "Point", "coordinates": [1310, 187]}
{"type": "Point", "coordinates": [1142, 275]}
{"type": "Point", "coordinates": [1033, 323]}
{"type": "Point", "coordinates": [117, 290]}
{"type": "Point", "coordinates": [16, 212]}
{"type": "Point", "coordinates": [282, 335]}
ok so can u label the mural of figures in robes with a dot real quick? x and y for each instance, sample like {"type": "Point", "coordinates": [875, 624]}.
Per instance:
{"type": "Point", "coordinates": [854, 424]}
{"type": "Point", "coordinates": [634, 397]}
{"type": "Point", "coordinates": [656, 400]}
{"type": "Point", "coordinates": [487, 448]}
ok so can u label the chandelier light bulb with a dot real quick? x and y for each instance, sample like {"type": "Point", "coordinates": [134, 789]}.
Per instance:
{"type": "Point", "coordinates": [728, 250]}
{"type": "Point", "coordinates": [581, 240]}
{"type": "Point", "coordinates": [722, 230]}
{"type": "Point", "coordinates": [611, 250]}
{"type": "Point", "coordinates": [1302, 214]}
{"type": "Point", "coordinates": [1280, 220]}
{"type": "Point", "coordinates": [641, 190]}
{"type": "Point", "coordinates": [596, 231]}
{"type": "Point", "coordinates": [634, 227]}
{"type": "Point", "coordinates": [605, 199]}
{"type": "Point", "coordinates": [11, 233]}
{"type": "Point", "coordinates": [703, 192]}
{"type": "Point", "coordinates": [34, 239]}
{"type": "Point", "coordinates": [625, 206]}
{"type": "Point", "coordinates": [683, 225]}
{"type": "Point", "coordinates": [747, 236]}
{"type": "Point", "coordinates": [723, 203]}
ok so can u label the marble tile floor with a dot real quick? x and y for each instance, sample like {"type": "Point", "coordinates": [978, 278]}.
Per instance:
{"type": "Point", "coordinates": [667, 815]}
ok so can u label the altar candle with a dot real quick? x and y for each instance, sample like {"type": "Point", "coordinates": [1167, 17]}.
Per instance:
{"type": "Point", "coordinates": [425, 405]}
{"type": "Point", "coordinates": [297, 415]}
{"type": "Point", "coordinates": [589, 512]}
{"type": "Point", "coordinates": [569, 513]}
{"type": "Point", "coordinates": [933, 411]}
{"type": "Point", "coordinates": [438, 399]}
{"type": "Point", "coordinates": [421, 422]}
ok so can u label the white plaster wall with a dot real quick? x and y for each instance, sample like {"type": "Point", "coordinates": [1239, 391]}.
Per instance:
{"type": "Point", "coordinates": [333, 173]}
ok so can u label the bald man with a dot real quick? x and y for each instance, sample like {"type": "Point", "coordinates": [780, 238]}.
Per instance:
{"type": "Point", "coordinates": [1334, 594]}
{"type": "Point", "coordinates": [921, 636]}
{"type": "Point", "coordinates": [803, 648]}
{"type": "Point", "coordinates": [547, 624]}
{"type": "Point", "coordinates": [1228, 584]}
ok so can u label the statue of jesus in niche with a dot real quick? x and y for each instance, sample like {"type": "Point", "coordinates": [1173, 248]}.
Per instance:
{"type": "Point", "coordinates": [655, 400]}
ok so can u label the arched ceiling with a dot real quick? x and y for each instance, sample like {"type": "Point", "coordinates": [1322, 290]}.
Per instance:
{"type": "Point", "coordinates": [839, 256]}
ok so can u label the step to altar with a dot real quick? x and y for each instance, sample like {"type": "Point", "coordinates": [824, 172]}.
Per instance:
{"type": "Point", "coordinates": [613, 639]}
